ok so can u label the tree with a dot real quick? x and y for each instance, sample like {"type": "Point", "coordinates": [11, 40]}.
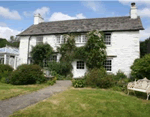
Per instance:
{"type": "Point", "coordinates": [95, 49]}
{"type": "Point", "coordinates": [40, 53]}
{"type": "Point", "coordinates": [144, 47]}
{"type": "Point", "coordinates": [141, 67]}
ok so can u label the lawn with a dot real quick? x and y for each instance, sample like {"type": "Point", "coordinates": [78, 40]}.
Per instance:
{"type": "Point", "coordinates": [8, 90]}
{"type": "Point", "coordinates": [88, 103]}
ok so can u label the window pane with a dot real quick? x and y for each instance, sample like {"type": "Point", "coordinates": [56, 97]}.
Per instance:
{"type": "Point", "coordinates": [78, 39]}
{"type": "Point", "coordinates": [58, 38]}
{"type": "Point", "coordinates": [80, 64]}
{"type": "Point", "coordinates": [84, 39]}
{"type": "Point", "coordinates": [108, 65]}
{"type": "Point", "coordinates": [107, 39]}
{"type": "Point", "coordinates": [39, 40]}
{"type": "Point", "coordinates": [62, 39]}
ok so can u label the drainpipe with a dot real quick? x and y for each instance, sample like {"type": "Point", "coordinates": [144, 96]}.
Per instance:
{"type": "Point", "coordinates": [28, 50]}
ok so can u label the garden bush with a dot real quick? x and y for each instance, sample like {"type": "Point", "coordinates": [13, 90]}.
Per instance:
{"type": "Point", "coordinates": [62, 68]}
{"type": "Point", "coordinates": [52, 82]}
{"type": "Point", "coordinates": [5, 70]}
{"type": "Point", "coordinates": [93, 77]}
{"type": "Point", "coordinates": [141, 68]}
{"type": "Point", "coordinates": [120, 75]}
{"type": "Point", "coordinates": [78, 82]}
{"type": "Point", "coordinates": [27, 74]}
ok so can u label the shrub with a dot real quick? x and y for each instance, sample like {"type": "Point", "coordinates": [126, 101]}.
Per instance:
{"type": "Point", "coordinates": [41, 52]}
{"type": "Point", "coordinates": [27, 74]}
{"type": "Point", "coordinates": [120, 75]}
{"type": "Point", "coordinates": [5, 70]}
{"type": "Point", "coordinates": [62, 68]}
{"type": "Point", "coordinates": [78, 83]}
{"type": "Point", "coordinates": [52, 82]}
{"type": "Point", "coordinates": [106, 81]}
{"type": "Point", "coordinates": [3, 80]}
{"type": "Point", "coordinates": [93, 77]}
{"type": "Point", "coordinates": [141, 68]}
{"type": "Point", "coordinates": [121, 85]}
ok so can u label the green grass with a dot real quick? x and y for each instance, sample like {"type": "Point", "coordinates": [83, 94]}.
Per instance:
{"type": "Point", "coordinates": [8, 90]}
{"type": "Point", "coordinates": [88, 103]}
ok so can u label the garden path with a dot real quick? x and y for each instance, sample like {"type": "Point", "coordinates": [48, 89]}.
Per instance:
{"type": "Point", "coordinates": [8, 106]}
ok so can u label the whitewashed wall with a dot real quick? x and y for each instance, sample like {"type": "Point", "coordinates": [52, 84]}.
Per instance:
{"type": "Point", "coordinates": [23, 49]}
{"type": "Point", "coordinates": [124, 45]}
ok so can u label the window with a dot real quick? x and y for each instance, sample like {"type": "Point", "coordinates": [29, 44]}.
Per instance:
{"type": "Point", "coordinates": [60, 39]}
{"type": "Point", "coordinates": [80, 64]}
{"type": "Point", "coordinates": [45, 63]}
{"type": "Point", "coordinates": [53, 58]}
{"type": "Point", "coordinates": [39, 40]}
{"type": "Point", "coordinates": [81, 39]}
{"type": "Point", "coordinates": [108, 65]}
{"type": "Point", "coordinates": [107, 39]}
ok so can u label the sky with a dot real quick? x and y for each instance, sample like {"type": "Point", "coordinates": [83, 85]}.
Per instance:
{"type": "Point", "coordinates": [16, 16]}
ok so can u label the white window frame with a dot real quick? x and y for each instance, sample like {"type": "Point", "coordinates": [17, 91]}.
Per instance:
{"type": "Point", "coordinates": [81, 67]}
{"type": "Point", "coordinates": [39, 40]}
{"type": "Point", "coordinates": [80, 39]}
{"type": "Point", "coordinates": [60, 39]}
{"type": "Point", "coordinates": [107, 38]}
{"type": "Point", "coordinates": [108, 66]}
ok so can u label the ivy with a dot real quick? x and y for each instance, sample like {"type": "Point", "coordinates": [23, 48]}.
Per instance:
{"type": "Point", "coordinates": [41, 52]}
{"type": "Point", "coordinates": [93, 53]}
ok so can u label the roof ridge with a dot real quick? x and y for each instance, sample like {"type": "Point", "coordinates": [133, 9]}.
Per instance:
{"type": "Point", "coordinates": [84, 19]}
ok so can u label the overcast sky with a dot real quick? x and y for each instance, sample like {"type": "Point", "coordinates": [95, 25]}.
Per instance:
{"type": "Point", "coordinates": [16, 16]}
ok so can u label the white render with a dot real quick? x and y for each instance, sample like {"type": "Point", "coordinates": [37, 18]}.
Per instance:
{"type": "Point", "coordinates": [124, 49]}
{"type": "Point", "coordinates": [133, 12]}
{"type": "Point", "coordinates": [38, 19]}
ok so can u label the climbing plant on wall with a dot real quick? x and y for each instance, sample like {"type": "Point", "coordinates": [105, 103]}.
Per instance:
{"type": "Point", "coordinates": [41, 52]}
{"type": "Point", "coordinates": [93, 53]}
{"type": "Point", "coordinates": [95, 49]}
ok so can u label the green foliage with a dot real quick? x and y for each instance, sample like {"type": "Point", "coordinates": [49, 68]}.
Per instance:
{"type": "Point", "coordinates": [51, 82]}
{"type": "Point", "coordinates": [94, 76]}
{"type": "Point", "coordinates": [95, 49]}
{"type": "Point", "coordinates": [141, 68]}
{"type": "Point", "coordinates": [5, 71]}
{"type": "Point", "coordinates": [120, 75]}
{"type": "Point", "coordinates": [41, 52]}
{"type": "Point", "coordinates": [80, 53]}
{"type": "Point", "coordinates": [93, 53]}
{"type": "Point", "coordinates": [144, 47]}
{"type": "Point", "coordinates": [78, 83]}
{"type": "Point", "coordinates": [27, 74]}
{"type": "Point", "coordinates": [4, 42]}
{"type": "Point", "coordinates": [62, 68]}
{"type": "Point", "coordinates": [58, 76]}
{"type": "Point", "coordinates": [3, 80]}
{"type": "Point", "coordinates": [121, 85]}
{"type": "Point", "coordinates": [67, 49]}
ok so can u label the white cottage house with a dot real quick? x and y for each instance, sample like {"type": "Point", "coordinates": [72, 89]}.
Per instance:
{"type": "Point", "coordinates": [121, 39]}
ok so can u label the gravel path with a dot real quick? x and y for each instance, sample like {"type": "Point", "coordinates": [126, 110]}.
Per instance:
{"type": "Point", "coordinates": [11, 105]}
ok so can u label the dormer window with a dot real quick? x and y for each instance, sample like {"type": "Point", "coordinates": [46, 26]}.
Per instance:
{"type": "Point", "coordinates": [39, 40]}
{"type": "Point", "coordinates": [107, 39]}
{"type": "Point", "coordinates": [60, 39]}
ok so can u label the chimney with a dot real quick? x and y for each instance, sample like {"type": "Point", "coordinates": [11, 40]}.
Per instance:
{"type": "Point", "coordinates": [38, 19]}
{"type": "Point", "coordinates": [133, 12]}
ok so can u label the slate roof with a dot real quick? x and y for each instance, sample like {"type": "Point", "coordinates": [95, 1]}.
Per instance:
{"type": "Point", "coordinates": [85, 25]}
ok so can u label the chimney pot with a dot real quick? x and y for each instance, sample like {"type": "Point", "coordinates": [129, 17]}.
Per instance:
{"type": "Point", "coordinates": [133, 11]}
{"type": "Point", "coordinates": [38, 19]}
{"type": "Point", "coordinates": [133, 4]}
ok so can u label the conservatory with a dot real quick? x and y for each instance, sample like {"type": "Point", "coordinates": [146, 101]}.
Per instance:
{"type": "Point", "coordinates": [9, 55]}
